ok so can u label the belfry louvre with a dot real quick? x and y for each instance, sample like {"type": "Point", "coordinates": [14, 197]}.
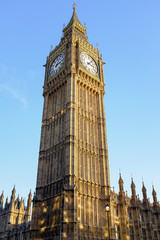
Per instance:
{"type": "Point", "coordinates": [73, 182]}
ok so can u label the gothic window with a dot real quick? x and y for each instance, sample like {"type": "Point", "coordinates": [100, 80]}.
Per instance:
{"type": "Point", "coordinates": [62, 127]}
{"type": "Point", "coordinates": [64, 97]}
{"type": "Point", "coordinates": [153, 221]}
{"type": "Point", "coordinates": [94, 212]}
{"type": "Point", "coordinates": [80, 209]}
{"type": "Point", "coordinates": [141, 217]}
{"type": "Point", "coordinates": [155, 235]}
{"type": "Point", "coordinates": [85, 210]}
{"type": "Point", "coordinates": [58, 210]}
{"type": "Point", "coordinates": [129, 214]}
{"type": "Point", "coordinates": [97, 211]}
{"type": "Point", "coordinates": [61, 99]}
{"type": "Point", "coordinates": [58, 166]}
{"type": "Point", "coordinates": [90, 102]}
{"type": "Point", "coordinates": [61, 174]}
{"type": "Point", "coordinates": [48, 215]}
{"type": "Point", "coordinates": [131, 234]}
{"type": "Point", "coordinates": [59, 138]}
{"type": "Point", "coordinates": [116, 211]}
{"type": "Point", "coordinates": [144, 237]}
{"type": "Point", "coordinates": [80, 96]}
{"type": "Point", "coordinates": [84, 164]}
{"type": "Point", "coordinates": [93, 101]}
{"type": "Point", "coordinates": [81, 128]}
{"type": "Point", "coordinates": [55, 104]}
{"type": "Point", "coordinates": [96, 172]}
{"type": "Point", "coordinates": [80, 165]}
{"type": "Point", "coordinates": [90, 133]}
{"type": "Point", "coordinates": [117, 232]}
{"type": "Point", "coordinates": [84, 129]}
{"type": "Point", "coordinates": [84, 98]}
{"type": "Point", "coordinates": [91, 169]}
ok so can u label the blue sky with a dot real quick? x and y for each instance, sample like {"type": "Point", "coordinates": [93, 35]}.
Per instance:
{"type": "Point", "coordinates": [128, 35]}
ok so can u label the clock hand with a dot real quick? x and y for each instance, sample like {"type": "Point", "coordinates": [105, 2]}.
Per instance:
{"type": "Point", "coordinates": [57, 64]}
{"type": "Point", "coordinates": [89, 63]}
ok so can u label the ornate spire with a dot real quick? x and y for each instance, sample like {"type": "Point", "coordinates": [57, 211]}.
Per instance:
{"type": "Point", "coordinates": [154, 194]}
{"type": "Point", "coordinates": [144, 191]}
{"type": "Point", "coordinates": [21, 205]}
{"type": "Point", "coordinates": [29, 202]}
{"type": "Point", "coordinates": [29, 199]}
{"type": "Point", "coordinates": [1, 199]}
{"type": "Point", "coordinates": [74, 24]}
{"type": "Point", "coordinates": [133, 189]}
{"type": "Point", "coordinates": [17, 200]}
{"type": "Point", "coordinates": [120, 184]}
{"type": "Point", "coordinates": [30, 195]}
{"type": "Point", "coordinates": [6, 203]}
{"type": "Point", "coordinates": [74, 7]}
{"type": "Point", "coordinates": [13, 192]}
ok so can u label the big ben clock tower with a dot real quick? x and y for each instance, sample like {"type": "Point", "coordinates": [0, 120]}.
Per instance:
{"type": "Point", "coordinates": [73, 181]}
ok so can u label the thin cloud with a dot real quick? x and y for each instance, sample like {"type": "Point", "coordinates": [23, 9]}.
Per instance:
{"type": "Point", "coordinates": [14, 93]}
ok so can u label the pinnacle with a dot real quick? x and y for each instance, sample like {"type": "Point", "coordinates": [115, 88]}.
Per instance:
{"type": "Point", "coordinates": [74, 6]}
{"type": "Point", "coordinates": [74, 21]}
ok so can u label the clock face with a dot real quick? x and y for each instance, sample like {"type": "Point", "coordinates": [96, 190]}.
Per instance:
{"type": "Point", "coordinates": [56, 65]}
{"type": "Point", "coordinates": [88, 63]}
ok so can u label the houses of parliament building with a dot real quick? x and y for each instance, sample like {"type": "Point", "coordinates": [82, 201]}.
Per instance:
{"type": "Point", "coordinates": [73, 199]}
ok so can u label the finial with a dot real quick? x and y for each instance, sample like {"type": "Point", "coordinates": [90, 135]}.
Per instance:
{"type": "Point", "coordinates": [13, 191]}
{"type": "Point", "coordinates": [74, 6]}
{"type": "Point", "coordinates": [30, 194]}
{"type": "Point", "coordinates": [86, 29]}
{"type": "Point", "coordinates": [97, 46]}
{"type": "Point", "coordinates": [51, 47]}
{"type": "Point", "coordinates": [152, 185]}
{"type": "Point", "coordinates": [63, 25]}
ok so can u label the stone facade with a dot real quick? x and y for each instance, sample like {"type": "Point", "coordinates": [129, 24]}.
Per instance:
{"type": "Point", "coordinates": [73, 173]}
{"type": "Point", "coordinates": [131, 218]}
{"type": "Point", "coordinates": [14, 216]}
{"type": "Point", "coordinates": [73, 182]}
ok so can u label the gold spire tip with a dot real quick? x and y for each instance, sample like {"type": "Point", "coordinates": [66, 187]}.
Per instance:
{"type": "Point", "coordinates": [74, 6]}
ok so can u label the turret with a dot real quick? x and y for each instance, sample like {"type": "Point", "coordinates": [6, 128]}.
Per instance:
{"type": "Point", "coordinates": [13, 196]}
{"type": "Point", "coordinates": [154, 194]}
{"type": "Point", "coordinates": [121, 190]}
{"type": "Point", "coordinates": [28, 210]}
{"type": "Point", "coordinates": [144, 191]}
{"type": "Point", "coordinates": [6, 203]}
{"type": "Point", "coordinates": [17, 200]}
{"type": "Point", "coordinates": [1, 200]}
{"type": "Point", "coordinates": [133, 189]}
{"type": "Point", "coordinates": [122, 208]}
{"type": "Point", "coordinates": [21, 205]}
{"type": "Point", "coordinates": [29, 201]}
